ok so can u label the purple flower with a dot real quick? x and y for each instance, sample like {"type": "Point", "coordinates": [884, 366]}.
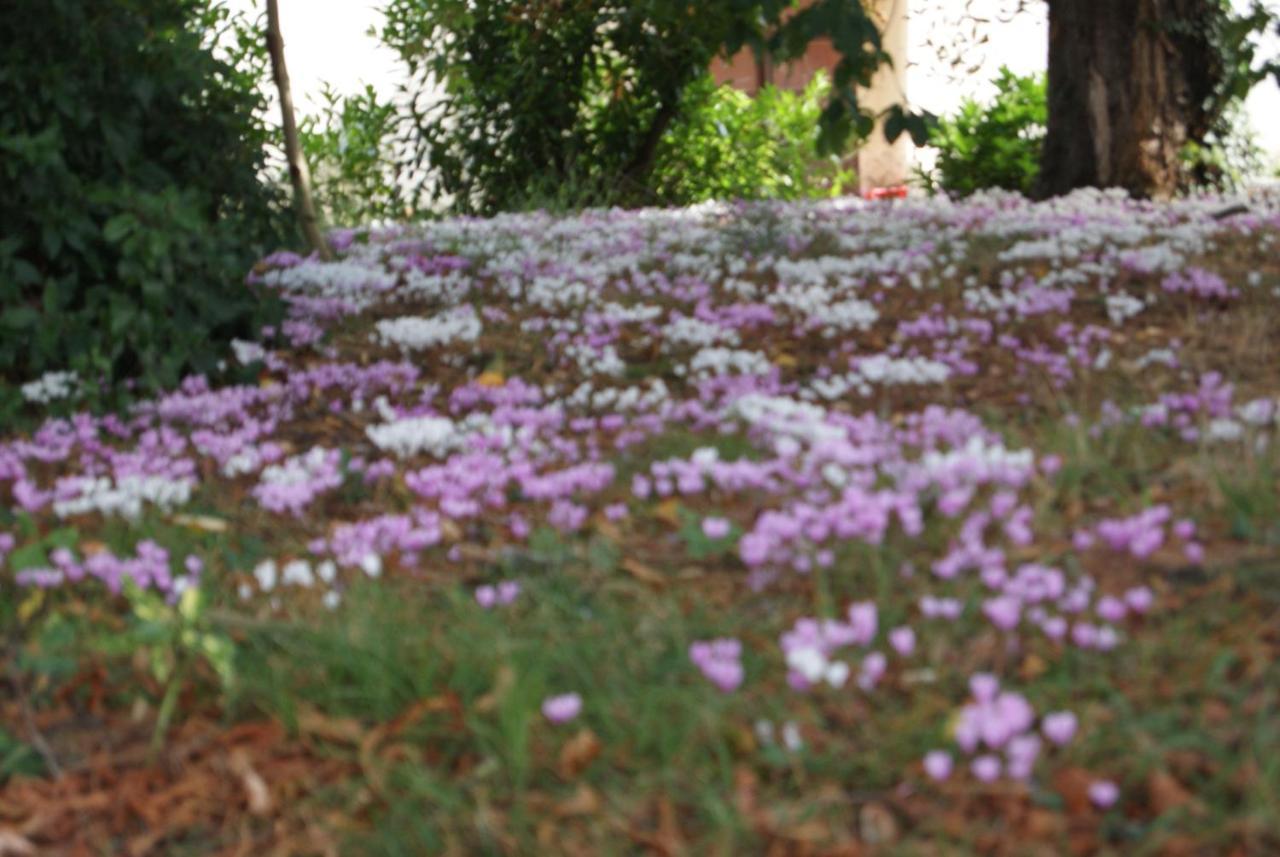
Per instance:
{"type": "Point", "coordinates": [862, 618]}
{"type": "Point", "coordinates": [938, 764]}
{"type": "Point", "coordinates": [984, 687]}
{"type": "Point", "coordinates": [1022, 753]}
{"type": "Point", "coordinates": [903, 640]}
{"type": "Point", "coordinates": [719, 660]}
{"type": "Point", "coordinates": [1059, 727]}
{"type": "Point", "coordinates": [716, 528]}
{"type": "Point", "coordinates": [1111, 608]}
{"type": "Point", "coordinates": [508, 590]}
{"type": "Point", "coordinates": [873, 667]}
{"type": "Point", "coordinates": [1003, 612]}
{"type": "Point", "coordinates": [986, 768]}
{"type": "Point", "coordinates": [1103, 793]}
{"type": "Point", "coordinates": [562, 708]}
{"type": "Point", "coordinates": [1139, 599]}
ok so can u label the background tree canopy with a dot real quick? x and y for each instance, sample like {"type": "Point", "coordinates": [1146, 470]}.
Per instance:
{"type": "Point", "coordinates": [538, 95]}
{"type": "Point", "coordinates": [134, 163]}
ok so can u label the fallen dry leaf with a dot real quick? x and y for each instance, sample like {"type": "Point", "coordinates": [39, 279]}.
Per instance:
{"type": "Point", "coordinates": [668, 511]}
{"type": "Point", "coordinates": [15, 844]}
{"type": "Point", "coordinates": [503, 681]}
{"type": "Point", "coordinates": [255, 787]}
{"type": "Point", "coordinates": [1166, 794]}
{"type": "Point", "coordinates": [577, 753]}
{"type": "Point", "coordinates": [877, 824]}
{"type": "Point", "coordinates": [204, 523]}
{"type": "Point", "coordinates": [1072, 784]}
{"type": "Point", "coordinates": [584, 801]}
{"type": "Point", "coordinates": [643, 573]}
{"type": "Point", "coordinates": [343, 730]}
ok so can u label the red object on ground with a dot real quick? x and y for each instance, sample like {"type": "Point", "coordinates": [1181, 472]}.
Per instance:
{"type": "Point", "coordinates": [895, 192]}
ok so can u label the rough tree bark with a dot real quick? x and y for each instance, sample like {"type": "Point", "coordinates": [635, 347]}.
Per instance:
{"type": "Point", "coordinates": [299, 175]}
{"type": "Point", "coordinates": [1129, 81]}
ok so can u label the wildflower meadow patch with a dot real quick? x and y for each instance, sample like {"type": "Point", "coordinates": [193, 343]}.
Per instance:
{"type": "Point", "coordinates": [824, 528]}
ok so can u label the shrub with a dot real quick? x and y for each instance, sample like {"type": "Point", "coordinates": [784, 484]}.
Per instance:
{"type": "Point", "coordinates": [350, 147]}
{"type": "Point", "coordinates": [992, 145]}
{"type": "Point", "coordinates": [133, 158]}
{"type": "Point", "coordinates": [554, 100]}
{"type": "Point", "coordinates": [729, 145]}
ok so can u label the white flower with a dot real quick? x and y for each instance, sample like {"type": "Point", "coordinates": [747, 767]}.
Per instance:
{"type": "Point", "coordinates": [436, 435]}
{"type": "Point", "coordinates": [51, 386]}
{"type": "Point", "coordinates": [266, 574]}
{"type": "Point", "coordinates": [411, 333]}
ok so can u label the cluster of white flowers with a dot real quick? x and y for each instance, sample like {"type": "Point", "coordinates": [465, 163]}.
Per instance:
{"type": "Point", "coordinates": [413, 435]}
{"type": "Point", "coordinates": [786, 418]}
{"type": "Point", "coordinates": [352, 279]}
{"type": "Point", "coordinates": [985, 299]}
{"type": "Point", "coordinates": [299, 573]}
{"type": "Point", "coordinates": [125, 497]}
{"type": "Point", "coordinates": [1161, 356]}
{"type": "Point", "coordinates": [1122, 307]}
{"type": "Point", "coordinates": [979, 461]}
{"type": "Point", "coordinates": [634, 314]}
{"type": "Point", "coordinates": [883, 369]}
{"type": "Point", "coordinates": [843, 316]}
{"type": "Point", "coordinates": [414, 333]}
{"type": "Point", "coordinates": [557, 293]}
{"type": "Point", "coordinates": [450, 288]}
{"type": "Point", "coordinates": [1259, 412]}
{"type": "Point", "coordinates": [1225, 430]}
{"type": "Point", "coordinates": [247, 352]}
{"type": "Point", "coordinates": [596, 361]}
{"type": "Point", "coordinates": [713, 362]}
{"type": "Point", "coordinates": [878, 370]}
{"type": "Point", "coordinates": [647, 396]}
{"type": "Point", "coordinates": [300, 469]}
{"type": "Point", "coordinates": [683, 331]}
{"type": "Point", "coordinates": [51, 386]}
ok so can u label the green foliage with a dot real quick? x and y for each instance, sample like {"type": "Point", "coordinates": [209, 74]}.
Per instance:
{"type": "Point", "coordinates": [350, 148]}
{"type": "Point", "coordinates": [540, 98]}
{"type": "Point", "coordinates": [1224, 150]}
{"type": "Point", "coordinates": [132, 159]}
{"type": "Point", "coordinates": [729, 145]}
{"type": "Point", "coordinates": [1229, 154]}
{"type": "Point", "coordinates": [995, 144]}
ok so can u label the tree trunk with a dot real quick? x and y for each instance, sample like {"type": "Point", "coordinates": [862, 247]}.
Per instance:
{"type": "Point", "coordinates": [299, 175]}
{"type": "Point", "coordinates": [1129, 81]}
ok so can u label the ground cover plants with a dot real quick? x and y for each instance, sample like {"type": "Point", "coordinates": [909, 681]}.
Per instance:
{"type": "Point", "coordinates": [909, 527]}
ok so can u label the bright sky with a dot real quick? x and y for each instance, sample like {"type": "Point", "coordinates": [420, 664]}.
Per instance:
{"type": "Point", "coordinates": [326, 40]}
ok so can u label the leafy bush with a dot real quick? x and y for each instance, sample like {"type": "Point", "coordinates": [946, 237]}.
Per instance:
{"type": "Point", "coordinates": [133, 159]}
{"type": "Point", "coordinates": [350, 148]}
{"type": "Point", "coordinates": [559, 100]}
{"type": "Point", "coordinates": [992, 145]}
{"type": "Point", "coordinates": [729, 145]}
{"type": "Point", "coordinates": [1229, 154]}
{"type": "Point", "coordinates": [997, 144]}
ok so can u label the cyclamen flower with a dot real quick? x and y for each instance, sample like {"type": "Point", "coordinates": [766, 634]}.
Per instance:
{"type": "Point", "coordinates": [938, 764]}
{"type": "Point", "coordinates": [562, 708]}
{"type": "Point", "coordinates": [903, 640]}
{"type": "Point", "coordinates": [1104, 793]}
{"type": "Point", "coordinates": [716, 528]}
{"type": "Point", "coordinates": [986, 768]}
{"type": "Point", "coordinates": [720, 661]}
{"type": "Point", "coordinates": [862, 618]}
{"type": "Point", "coordinates": [1059, 727]}
{"type": "Point", "coordinates": [503, 594]}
